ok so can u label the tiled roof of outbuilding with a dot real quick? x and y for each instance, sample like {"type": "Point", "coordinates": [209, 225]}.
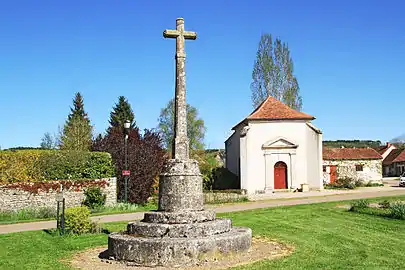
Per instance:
{"type": "Point", "coordinates": [350, 153]}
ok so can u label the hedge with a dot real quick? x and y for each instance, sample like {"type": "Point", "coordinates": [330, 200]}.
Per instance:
{"type": "Point", "coordinates": [46, 165]}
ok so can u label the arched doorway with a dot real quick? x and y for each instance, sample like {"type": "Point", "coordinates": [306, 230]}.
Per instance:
{"type": "Point", "coordinates": [280, 175]}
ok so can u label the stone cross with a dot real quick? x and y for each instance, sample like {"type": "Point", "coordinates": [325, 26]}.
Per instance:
{"type": "Point", "coordinates": [180, 139]}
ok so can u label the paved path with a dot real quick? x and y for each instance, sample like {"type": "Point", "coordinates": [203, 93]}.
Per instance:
{"type": "Point", "coordinates": [33, 226]}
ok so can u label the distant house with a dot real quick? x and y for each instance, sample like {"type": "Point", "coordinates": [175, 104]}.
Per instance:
{"type": "Point", "coordinates": [384, 151]}
{"type": "Point", "coordinates": [394, 163]}
{"type": "Point", "coordinates": [363, 164]}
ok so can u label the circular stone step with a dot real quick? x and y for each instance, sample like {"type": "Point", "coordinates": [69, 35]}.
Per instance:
{"type": "Point", "coordinates": [180, 230]}
{"type": "Point", "coordinates": [171, 252]}
{"type": "Point", "coordinates": [179, 217]}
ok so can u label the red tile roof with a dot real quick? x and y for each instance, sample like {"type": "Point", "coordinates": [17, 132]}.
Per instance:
{"type": "Point", "coordinates": [382, 149]}
{"type": "Point", "coordinates": [350, 153]}
{"type": "Point", "coordinates": [396, 155]}
{"type": "Point", "coordinates": [273, 109]}
{"type": "Point", "coordinates": [400, 157]}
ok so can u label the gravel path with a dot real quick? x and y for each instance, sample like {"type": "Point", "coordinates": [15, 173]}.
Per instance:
{"type": "Point", "coordinates": [33, 226]}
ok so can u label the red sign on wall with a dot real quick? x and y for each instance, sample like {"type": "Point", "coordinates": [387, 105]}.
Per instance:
{"type": "Point", "coordinates": [126, 172]}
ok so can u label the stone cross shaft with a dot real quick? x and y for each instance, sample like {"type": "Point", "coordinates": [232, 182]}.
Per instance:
{"type": "Point", "coordinates": [180, 139]}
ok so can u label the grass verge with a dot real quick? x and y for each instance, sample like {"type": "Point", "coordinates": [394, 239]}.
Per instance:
{"type": "Point", "coordinates": [324, 237]}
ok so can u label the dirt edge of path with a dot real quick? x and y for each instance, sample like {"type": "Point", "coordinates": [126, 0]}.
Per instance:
{"type": "Point", "coordinates": [262, 249]}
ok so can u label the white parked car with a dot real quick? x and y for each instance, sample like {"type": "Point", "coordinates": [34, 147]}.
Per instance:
{"type": "Point", "coordinates": [402, 180]}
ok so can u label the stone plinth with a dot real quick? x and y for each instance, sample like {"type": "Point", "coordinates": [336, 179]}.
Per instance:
{"type": "Point", "coordinates": [171, 252]}
{"type": "Point", "coordinates": [180, 186]}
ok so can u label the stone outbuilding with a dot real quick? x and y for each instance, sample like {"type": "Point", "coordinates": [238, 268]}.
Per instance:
{"type": "Point", "coordinates": [363, 164]}
{"type": "Point", "coordinates": [275, 148]}
{"type": "Point", "coordinates": [394, 163]}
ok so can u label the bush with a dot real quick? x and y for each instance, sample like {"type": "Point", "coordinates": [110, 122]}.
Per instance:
{"type": "Point", "coordinates": [344, 182]}
{"type": "Point", "coordinates": [77, 220]}
{"type": "Point", "coordinates": [207, 163]}
{"type": "Point", "coordinates": [225, 179]}
{"type": "Point", "coordinates": [46, 165]}
{"type": "Point", "coordinates": [374, 184]}
{"type": "Point", "coordinates": [146, 159]}
{"type": "Point", "coordinates": [94, 197]}
{"type": "Point", "coordinates": [385, 204]}
{"type": "Point", "coordinates": [359, 205]}
{"type": "Point", "coordinates": [397, 210]}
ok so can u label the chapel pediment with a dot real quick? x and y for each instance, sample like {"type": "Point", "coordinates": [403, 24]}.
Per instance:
{"type": "Point", "coordinates": [279, 143]}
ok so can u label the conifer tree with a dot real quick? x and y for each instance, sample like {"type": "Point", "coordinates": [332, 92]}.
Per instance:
{"type": "Point", "coordinates": [121, 112]}
{"type": "Point", "coordinates": [273, 74]}
{"type": "Point", "coordinates": [77, 132]}
{"type": "Point", "coordinates": [78, 108]}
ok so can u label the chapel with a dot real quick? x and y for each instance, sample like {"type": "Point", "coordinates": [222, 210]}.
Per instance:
{"type": "Point", "coordinates": [276, 148]}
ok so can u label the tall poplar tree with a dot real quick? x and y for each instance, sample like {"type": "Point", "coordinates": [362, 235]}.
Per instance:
{"type": "Point", "coordinates": [77, 132]}
{"type": "Point", "coordinates": [121, 112]}
{"type": "Point", "coordinates": [273, 74]}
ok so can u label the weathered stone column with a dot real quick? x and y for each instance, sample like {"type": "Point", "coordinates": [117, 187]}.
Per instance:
{"type": "Point", "coordinates": [181, 141]}
{"type": "Point", "coordinates": [180, 185]}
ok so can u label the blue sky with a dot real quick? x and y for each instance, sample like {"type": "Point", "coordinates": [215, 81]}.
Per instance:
{"type": "Point", "coordinates": [349, 61]}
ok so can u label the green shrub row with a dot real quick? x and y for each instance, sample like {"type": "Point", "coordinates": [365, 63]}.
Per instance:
{"type": "Point", "coordinates": [350, 183]}
{"type": "Point", "coordinates": [45, 165]}
{"type": "Point", "coordinates": [395, 210]}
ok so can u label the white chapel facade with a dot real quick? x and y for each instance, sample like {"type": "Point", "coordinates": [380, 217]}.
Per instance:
{"type": "Point", "coordinates": [275, 148]}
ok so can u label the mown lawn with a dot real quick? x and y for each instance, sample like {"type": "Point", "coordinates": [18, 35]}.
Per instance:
{"type": "Point", "coordinates": [324, 236]}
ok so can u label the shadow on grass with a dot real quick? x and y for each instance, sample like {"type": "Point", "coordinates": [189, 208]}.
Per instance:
{"type": "Point", "coordinates": [373, 211]}
{"type": "Point", "coordinates": [57, 232]}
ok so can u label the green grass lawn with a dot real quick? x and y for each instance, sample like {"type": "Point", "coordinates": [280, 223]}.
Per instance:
{"type": "Point", "coordinates": [324, 237]}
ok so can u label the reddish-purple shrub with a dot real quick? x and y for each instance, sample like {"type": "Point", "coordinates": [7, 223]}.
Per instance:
{"type": "Point", "coordinates": [145, 160]}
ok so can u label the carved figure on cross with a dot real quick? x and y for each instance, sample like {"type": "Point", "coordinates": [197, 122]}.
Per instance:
{"type": "Point", "coordinates": [180, 140]}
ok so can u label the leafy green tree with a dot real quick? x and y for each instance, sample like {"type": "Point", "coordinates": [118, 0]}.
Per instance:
{"type": "Point", "coordinates": [121, 112]}
{"type": "Point", "coordinates": [195, 126]}
{"type": "Point", "coordinates": [273, 74]}
{"type": "Point", "coordinates": [77, 135]}
{"type": "Point", "coordinates": [48, 141]}
{"type": "Point", "coordinates": [77, 132]}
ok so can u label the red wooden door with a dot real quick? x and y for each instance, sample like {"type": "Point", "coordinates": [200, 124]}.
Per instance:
{"type": "Point", "coordinates": [333, 173]}
{"type": "Point", "coordinates": [280, 175]}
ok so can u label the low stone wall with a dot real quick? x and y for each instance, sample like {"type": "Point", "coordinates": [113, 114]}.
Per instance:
{"type": "Point", "coordinates": [15, 197]}
{"type": "Point", "coordinates": [213, 197]}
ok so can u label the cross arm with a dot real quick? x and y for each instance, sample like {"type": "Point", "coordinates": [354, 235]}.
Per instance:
{"type": "Point", "coordinates": [171, 33]}
{"type": "Point", "coordinates": [190, 35]}
{"type": "Point", "coordinates": [176, 33]}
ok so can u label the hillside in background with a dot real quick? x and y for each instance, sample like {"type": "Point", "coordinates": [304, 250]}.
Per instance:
{"type": "Point", "coordinates": [352, 143]}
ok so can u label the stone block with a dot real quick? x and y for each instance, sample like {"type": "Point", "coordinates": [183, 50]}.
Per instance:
{"type": "Point", "coordinates": [179, 217]}
{"type": "Point", "coordinates": [188, 230]}
{"type": "Point", "coordinates": [172, 252]}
